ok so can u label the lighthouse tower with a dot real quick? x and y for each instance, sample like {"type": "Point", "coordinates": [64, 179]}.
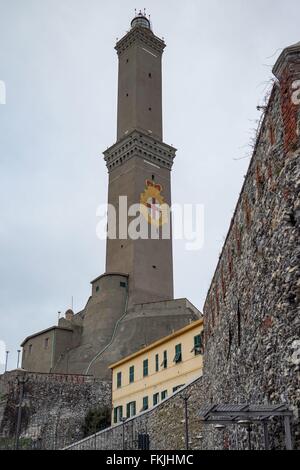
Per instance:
{"type": "Point", "coordinates": [139, 166]}
{"type": "Point", "coordinates": [131, 304]}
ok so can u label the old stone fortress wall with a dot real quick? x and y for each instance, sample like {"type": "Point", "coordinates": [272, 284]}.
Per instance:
{"type": "Point", "coordinates": [251, 313]}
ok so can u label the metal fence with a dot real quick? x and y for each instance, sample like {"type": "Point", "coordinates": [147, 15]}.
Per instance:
{"type": "Point", "coordinates": [127, 436]}
{"type": "Point", "coordinates": [33, 443]}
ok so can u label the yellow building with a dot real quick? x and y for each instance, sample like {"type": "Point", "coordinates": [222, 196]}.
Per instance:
{"type": "Point", "coordinates": [147, 377]}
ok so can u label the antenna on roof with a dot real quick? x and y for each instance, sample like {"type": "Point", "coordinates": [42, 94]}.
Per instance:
{"type": "Point", "coordinates": [144, 11]}
{"type": "Point", "coordinates": [135, 11]}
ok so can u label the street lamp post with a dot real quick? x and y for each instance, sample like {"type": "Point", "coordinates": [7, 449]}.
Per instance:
{"type": "Point", "coordinates": [6, 361]}
{"type": "Point", "coordinates": [18, 361]}
{"type": "Point", "coordinates": [186, 420]}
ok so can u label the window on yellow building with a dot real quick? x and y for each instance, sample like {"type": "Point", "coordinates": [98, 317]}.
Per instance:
{"type": "Point", "coordinates": [145, 403]}
{"type": "Point", "coordinates": [165, 361]}
{"type": "Point", "coordinates": [157, 363]}
{"type": "Point", "coordinates": [197, 345]}
{"type": "Point", "coordinates": [178, 354]}
{"type": "Point", "coordinates": [164, 394]}
{"type": "Point", "coordinates": [155, 399]}
{"type": "Point", "coordinates": [119, 379]}
{"type": "Point", "coordinates": [145, 368]}
{"type": "Point", "coordinates": [118, 414]}
{"type": "Point", "coordinates": [131, 374]}
{"type": "Point", "coordinates": [131, 409]}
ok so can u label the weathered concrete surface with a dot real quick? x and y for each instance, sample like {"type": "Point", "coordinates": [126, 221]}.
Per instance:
{"type": "Point", "coordinates": [141, 325]}
{"type": "Point", "coordinates": [144, 324]}
{"type": "Point", "coordinates": [105, 331]}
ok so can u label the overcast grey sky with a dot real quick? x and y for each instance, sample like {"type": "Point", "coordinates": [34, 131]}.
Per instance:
{"type": "Point", "coordinates": [58, 61]}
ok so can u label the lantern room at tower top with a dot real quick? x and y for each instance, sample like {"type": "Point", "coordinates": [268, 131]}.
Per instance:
{"type": "Point", "coordinates": [141, 20]}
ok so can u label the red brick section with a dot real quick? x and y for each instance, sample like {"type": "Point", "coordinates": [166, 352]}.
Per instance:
{"type": "Point", "coordinates": [272, 135]}
{"type": "Point", "coordinates": [270, 171]}
{"type": "Point", "coordinates": [267, 323]}
{"type": "Point", "coordinates": [247, 211]}
{"type": "Point", "coordinates": [290, 110]}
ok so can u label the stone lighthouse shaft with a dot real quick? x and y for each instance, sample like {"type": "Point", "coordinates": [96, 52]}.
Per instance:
{"type": "Point", "coordinates": [139, 166]}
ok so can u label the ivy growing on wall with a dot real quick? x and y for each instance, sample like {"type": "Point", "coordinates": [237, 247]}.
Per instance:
{"type": "Point", "coordinates": [96, 419]}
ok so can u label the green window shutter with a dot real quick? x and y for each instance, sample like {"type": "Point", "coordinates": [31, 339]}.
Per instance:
{"type": "Point", "coordinates": [134, 408]}
{"type": "Point", "coordinates": [165, 361]}
{"type": "Point", "coordinates": [131, 374]}
{"type": "Point", "coordinates": [155, 399]}
{"type": "Point", "coordinates": [178, 354]}
{"type": "Point", "coordinates": [145, 403]}
{"type": "Point", "coordinates": [119, 380]}
{"type": "Point", "coordinates": [157, 363]}
{"type": "Point", "coordinates": [146, 367]}
{"type": "Point", "coordinates": [128, 410]}
{"type": "Point", "coordinates": [197, 345]}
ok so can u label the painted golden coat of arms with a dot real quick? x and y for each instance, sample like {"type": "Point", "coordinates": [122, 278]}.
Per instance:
{"type": "Point", "coordinates": [153, 206]}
